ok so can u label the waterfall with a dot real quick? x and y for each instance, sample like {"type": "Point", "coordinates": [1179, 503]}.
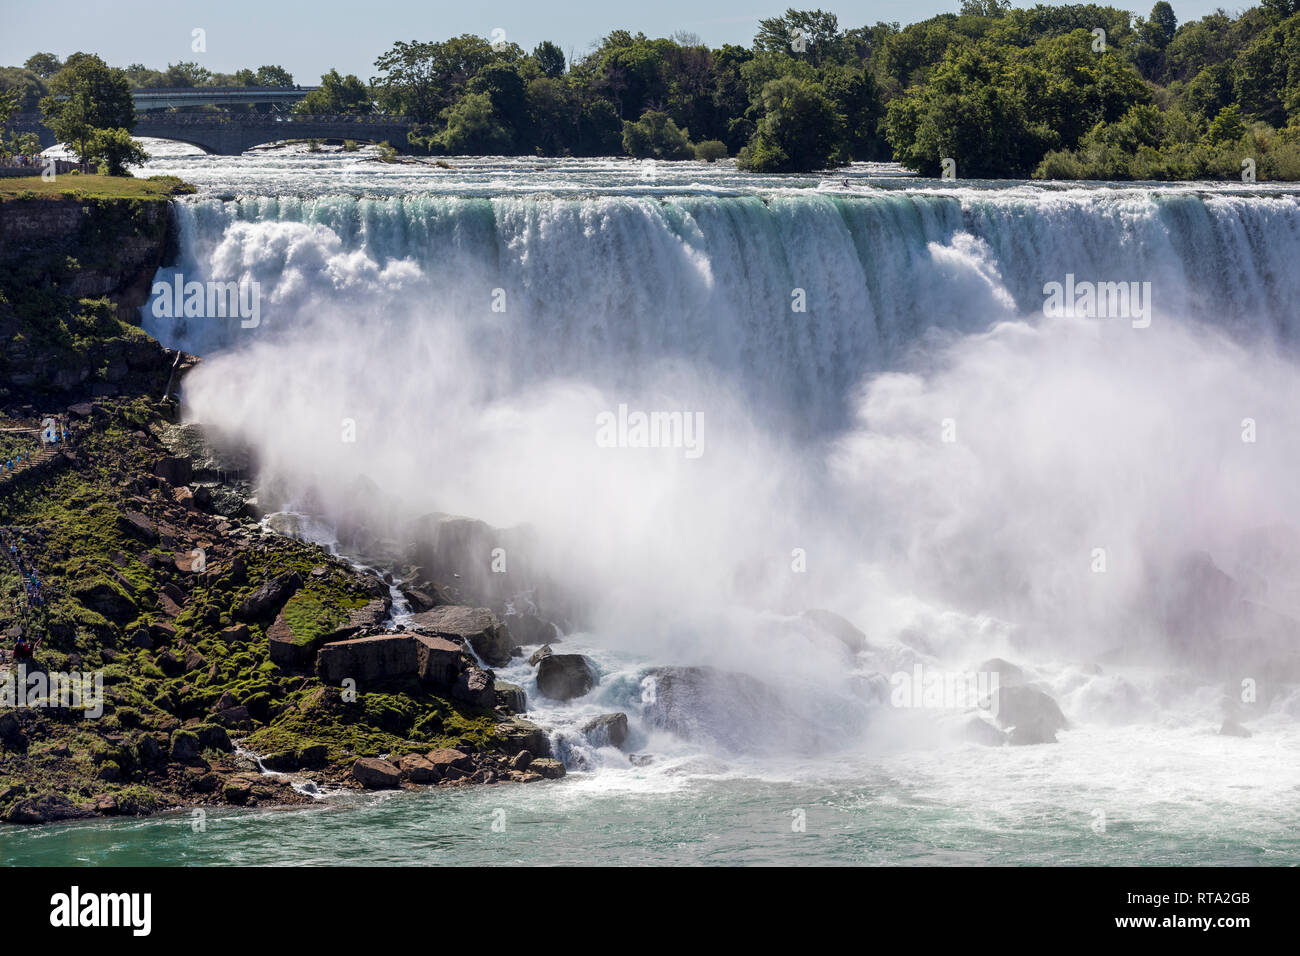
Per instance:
{"type": "Point", "coordinates": [878, 386]}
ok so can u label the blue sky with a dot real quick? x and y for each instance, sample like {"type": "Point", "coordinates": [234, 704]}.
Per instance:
{"type": "Point", "coordinates": [309, 38]}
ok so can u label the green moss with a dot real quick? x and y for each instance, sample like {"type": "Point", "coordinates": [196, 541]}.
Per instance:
{"type": "Point", "coordinates": [71, 516]}
{"type": "Point", "coordinates": [409, 721]}
{"type": "Point", "coordinates": [311, 618]}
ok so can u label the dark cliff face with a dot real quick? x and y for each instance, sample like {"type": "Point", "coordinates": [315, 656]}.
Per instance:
{"type": "Point", "coordinates": [74, 273]}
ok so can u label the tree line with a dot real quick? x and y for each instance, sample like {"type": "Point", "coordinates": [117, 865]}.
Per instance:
{"type": "Point", "coordinates": [1074, 91]}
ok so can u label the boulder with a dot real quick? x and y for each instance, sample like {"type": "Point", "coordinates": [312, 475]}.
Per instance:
{"type": "Point", "coordinates": [1027, 714]}
{"type": "Point", "coordinates": [370, 614]}
{"type": "Point", "coordinates": [149, 749]}
{"type": "Point", "coordinates": [170, 663]}
{"type": "Point", "coordinates": [237, 790]}
{"type": "Point", "coordinates": [281, 761]}
{"type": "Point", "coordinates": [375, 774]}
{"type": "Point", "coordinates": [106, 598]}
{"type": "Point", "coordinates": [11, 732]}
{"type": "Point", "coordinates": [1232, 728]}
{"type": "Point", "coordinates": [828, 622]}
{"type": "Point", "coordinates": [536, 657]}
{"type": "Point", "coordinates": [607, 730]}
{"type": "Point", "coordinates": [368, 659]}
{"type": "Point", "coordinates": [423, 598]}
{"type": "Point", "coordinates": [476, 626]}
{"type": "Point", "coordinates": [46, 808]}
{"type": "Point", "coordinates": [174, 470]}
{"type": "Point", "coordinates": [418, 769]}
{"type": "Point", "coordinates": [185, 746]}
{"type": "Point", "coordinates": [977, 730]}
{"type": "Point", "coordinates": [511, 697]}
{"type": "Point", "coordinates": [136, 524]}
{"type": "Point", "coordinates": [212, 737]}
{"type": "Point", "coordinates": [268, 598]}
{"type": "Point", "coordinates": [547, 767]}
{"type": "Point", "coordinates": [475, 687]}
{"type": "Point", "coordinates": [284, 649]}
{"type": "Point", "coordinates": [530, 629]}
{"type": "Point", "coordinates": [448, 759]}
{"type": "Point", "coordinates": [232, 635]}
{"type": "Point", "coordinates": [518, 735]}
{"type": "Point", "coordinates": [1008, 674]}
{"type": "Point", "coordinates": [438, 661]}
{"type": "Point", "coordinates": [453, 548]}
{"type": "Point", "coordinates": [736, 712]}
{"type": "Point", "coordinates": [191, 659]}
{"type": "Point", "coordinates": [565, 676]}
{"type": "Point", "coordinates": [234, 717]}
{"type": "Point", "coordinates": [521, 760]}
{"type": "Point", "coordinates": [313, 755]}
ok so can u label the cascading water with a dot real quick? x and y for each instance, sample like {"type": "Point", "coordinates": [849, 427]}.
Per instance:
{"type": "Point", "coordinates": [920, 449]}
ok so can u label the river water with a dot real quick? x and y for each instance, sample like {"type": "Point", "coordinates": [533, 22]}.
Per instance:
{"type": "Point", "coordinates": [893, 428]}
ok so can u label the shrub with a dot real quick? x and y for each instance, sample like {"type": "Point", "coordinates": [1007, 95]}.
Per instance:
{"type": "Point", "coordinates": [711, 150]}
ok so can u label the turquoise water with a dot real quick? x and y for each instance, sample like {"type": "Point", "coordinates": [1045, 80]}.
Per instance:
{"type": "Point", "coordinates": [1072, 435]}
{"type": "Point", "coordinates": [1023, 806]}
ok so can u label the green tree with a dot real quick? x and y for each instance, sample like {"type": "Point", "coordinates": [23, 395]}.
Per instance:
{"type": "Point", "coordinates": [86, 96]}
{"type": "Point", "coordinates": [473, 128]}
{"type": "Point", "coordinates": [336, 94]}
{"type": "Point", "coordinates": [710, 151]}
{"type": "Point", "coordinates": [1161, 25]}
{"type": "Point", "coordinates": [985, 8]}
{"type": "Point", "coordinates": [656, 136]}
{"type": "Point", "coordinates": [1227, 127]}
{"type": "Point", "coordinates": [550, 59]}
{"type": "Point", "coordinates": [185, 75]}
{"type": "Point", "coordinates": [44, 65]}
{"type": "Point", "coordinates": [813, 34]}
{"type": "Point", "coordinates": [272, 75]}
{"type": "Point", "coordinates": [508, 93]}
{"type": "Point", "coordinates": [113, 150]}
{"type": "Point", "coordinates": [857, 98]}
{"type": "Point", "coordinates": [1281, 9]}
{"type": "Point", "coordinates": [8, 105]}
{"type": "Point", "coordinates": [971, 111]}
{"type": "Point", "coordinates": [29, 87]}
{"type": "Point", "coordinates": [800, 130]}
{"type": "Point", "coordinates": [421, 80]}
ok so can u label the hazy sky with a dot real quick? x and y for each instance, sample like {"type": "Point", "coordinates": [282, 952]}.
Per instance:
{"type": "Point", "coordinates": [309, 38]}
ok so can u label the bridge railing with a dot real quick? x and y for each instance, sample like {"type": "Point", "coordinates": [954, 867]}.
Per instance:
{"type": "Point", "coordinates": [262, 119]}
{"type": "Point", "coordinates": [29, 120]}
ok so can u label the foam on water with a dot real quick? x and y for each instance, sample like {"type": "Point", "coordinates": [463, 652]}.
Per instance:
{"type": "Point", "coordinates": [824, 432]}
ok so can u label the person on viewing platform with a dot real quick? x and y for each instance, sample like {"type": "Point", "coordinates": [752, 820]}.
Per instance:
{"type": "Point", "coordinates": [25, 650]}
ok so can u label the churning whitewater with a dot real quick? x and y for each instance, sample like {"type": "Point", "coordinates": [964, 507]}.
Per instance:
{"type": "Point", "coordinates": [893, 428]}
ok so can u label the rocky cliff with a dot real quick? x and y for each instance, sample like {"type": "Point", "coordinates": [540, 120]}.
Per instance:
{"type": "Point", "coordinates": [74, 272]}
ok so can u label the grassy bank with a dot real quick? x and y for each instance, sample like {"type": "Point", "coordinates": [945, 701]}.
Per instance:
{"type": "Point", "coordinates": [93, 186]}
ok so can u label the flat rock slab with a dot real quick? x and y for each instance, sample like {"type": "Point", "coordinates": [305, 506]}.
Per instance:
{"type": "Point", "coordinates": [476, 626]}
{"type": "Point", "coordinates": [375, 774]}
{"type": "Point", "coordinates": [367, 659]}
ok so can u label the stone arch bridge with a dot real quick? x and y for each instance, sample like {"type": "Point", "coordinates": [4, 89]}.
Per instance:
{"type": "Point", "coordinates": [229, 134]}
